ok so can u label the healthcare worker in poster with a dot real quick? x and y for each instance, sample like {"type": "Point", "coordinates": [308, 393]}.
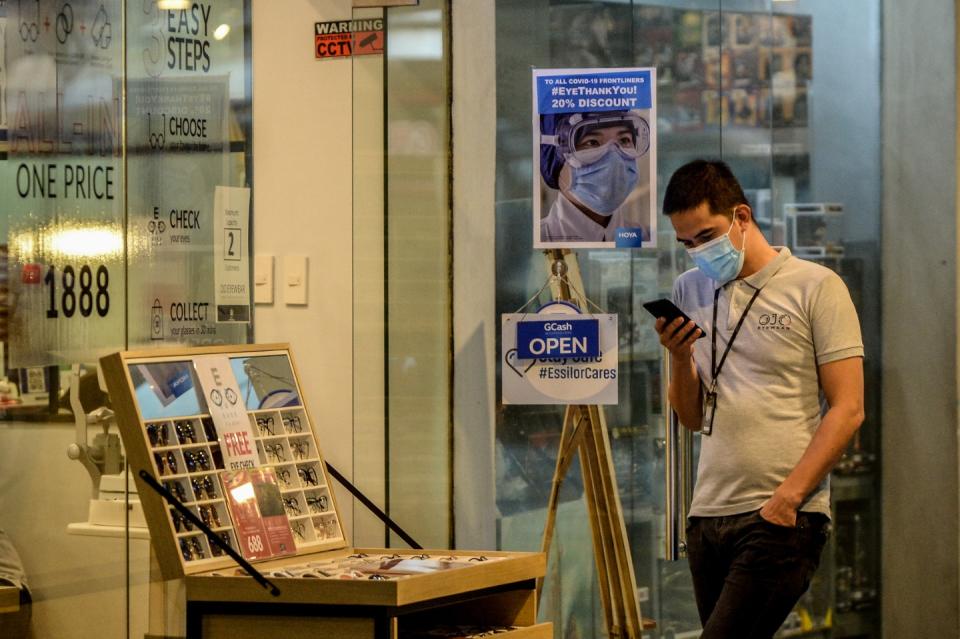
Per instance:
{"type": "Point", "coordinates": [595, 146]}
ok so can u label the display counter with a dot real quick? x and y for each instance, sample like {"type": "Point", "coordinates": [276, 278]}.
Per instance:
{"type": "Point", "coordinates": [225, 431]}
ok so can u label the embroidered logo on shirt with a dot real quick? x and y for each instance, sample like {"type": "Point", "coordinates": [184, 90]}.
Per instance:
{"type": "Point", "coordinates": [774, 322]}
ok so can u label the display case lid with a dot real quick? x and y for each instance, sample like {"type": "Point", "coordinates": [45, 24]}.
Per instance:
{"type": "Point", "coordinates": [227, 431]}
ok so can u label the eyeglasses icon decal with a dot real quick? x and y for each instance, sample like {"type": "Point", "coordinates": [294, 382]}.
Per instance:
{"type": "Point", "coordinates": [265, 424]}
{"type": "Point", "coordinates": [308, 475]}
{"type": "Point", "coordinates": [196, 458]}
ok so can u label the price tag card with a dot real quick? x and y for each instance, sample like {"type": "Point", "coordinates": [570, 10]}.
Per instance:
{"type": "Point", "coordinates": [259, 519]}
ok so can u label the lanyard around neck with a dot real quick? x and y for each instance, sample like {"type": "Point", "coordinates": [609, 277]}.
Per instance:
{"type": "Point", "coordinates": [714, 367]}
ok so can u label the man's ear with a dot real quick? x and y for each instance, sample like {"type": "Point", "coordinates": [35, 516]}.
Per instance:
{"type": "Point", "coordinates": [744, 213]}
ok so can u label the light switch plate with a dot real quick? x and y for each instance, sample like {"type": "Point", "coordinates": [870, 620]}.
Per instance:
{"type": "Point", "coordinates": [294, 282]}
{"type": "Point", "coordinates": [263, 279]}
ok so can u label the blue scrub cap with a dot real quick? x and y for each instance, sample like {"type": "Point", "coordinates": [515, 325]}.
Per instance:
{"type": "Point", "coordinates": [551, 160]}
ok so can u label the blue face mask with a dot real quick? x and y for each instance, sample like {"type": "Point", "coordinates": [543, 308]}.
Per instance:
{"type": "Point", "coordinates": [718, 259]}
{"type": "Point", "coordinates": [602, 186]}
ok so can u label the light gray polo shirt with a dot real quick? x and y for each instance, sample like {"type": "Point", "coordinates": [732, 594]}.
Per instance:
{"type": "Point", "coordinates": [768, 393]}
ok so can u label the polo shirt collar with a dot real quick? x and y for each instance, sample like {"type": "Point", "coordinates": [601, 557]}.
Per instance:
{"type": "Point", "coordinates": [759, 279]}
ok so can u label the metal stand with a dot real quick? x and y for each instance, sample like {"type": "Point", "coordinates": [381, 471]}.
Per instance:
{"type": "Point", "coordinates": [585, 432]}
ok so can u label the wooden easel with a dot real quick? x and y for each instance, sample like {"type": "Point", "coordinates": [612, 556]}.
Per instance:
{"type": "Point", "coordinates": [585, 432]}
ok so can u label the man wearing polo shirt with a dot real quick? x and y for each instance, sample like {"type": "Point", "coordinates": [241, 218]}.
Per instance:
{"type": "Point", "coordinates": [777, 333]}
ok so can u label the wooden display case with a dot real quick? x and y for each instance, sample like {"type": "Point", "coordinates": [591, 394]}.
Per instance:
{"type": "Point", "coordinates": [327, 587]}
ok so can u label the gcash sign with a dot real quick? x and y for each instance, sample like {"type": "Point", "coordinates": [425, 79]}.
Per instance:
{"type": "Point", "coordinates": [561, 337]}
{"type": "Point", "coordinates": [343, 38]}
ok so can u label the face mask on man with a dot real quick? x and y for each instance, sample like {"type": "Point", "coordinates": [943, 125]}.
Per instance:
{"type": "Point", "coordinates": [604, 184]}
{"type": "Point", "coordinates": [718, 259]}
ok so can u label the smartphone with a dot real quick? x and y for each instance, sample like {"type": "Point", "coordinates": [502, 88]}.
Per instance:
{"type": "Point", "coordinates": [668, 310]}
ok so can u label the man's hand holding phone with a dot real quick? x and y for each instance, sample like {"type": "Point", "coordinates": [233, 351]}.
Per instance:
{"type": "Point", "coordinates": [678, 335]}
{"type": "Point", "coordinates": [677, 331]}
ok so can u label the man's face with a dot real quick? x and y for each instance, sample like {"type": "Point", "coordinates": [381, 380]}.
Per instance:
{"type": "Point", "coordinates": [698, 226]}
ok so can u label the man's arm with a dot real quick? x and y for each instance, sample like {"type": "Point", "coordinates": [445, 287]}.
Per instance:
{"type": "Point", "coordinates": [684, 388]}
{"type": "Point", "coordinates": [842, 383]}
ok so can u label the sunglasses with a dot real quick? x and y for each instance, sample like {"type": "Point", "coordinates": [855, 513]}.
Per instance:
{"type": "Point", "coordinates": [210, 516]}
{"type": "Point", "coordinates": [185, 432]}
{"type": "Point", "coordinates": [179, 521]}
{"type": "Point", "coordinates": [201, 485]}
{"type": "Point", "coordinates": [177, 490]}
{"type": "Point", "coordinates": [215, 550]}
{"type": "Point", "coordinates": [284, 475]}
{"type": "Point", "coordinates": [158, 434]}
{"type": "Point", "coordinates": [166, 462]}
{"type": "Point", "coordinates": [195, 458]}
{"type": "Point", "coordinates": [298, 530]}
{"type": "Point", "coordinates": [191, 549]}
{"type": "Point", "coordinates": [209, 429]}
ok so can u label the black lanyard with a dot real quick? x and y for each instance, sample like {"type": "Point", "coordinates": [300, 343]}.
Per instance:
{"type": "Point", "coordinates": [710, 399]}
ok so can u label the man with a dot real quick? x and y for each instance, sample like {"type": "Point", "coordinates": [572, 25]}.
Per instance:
{"type": "Point", "coordinates": [777, 331]}
{"type": "Point", "coordinates": [591, 158]}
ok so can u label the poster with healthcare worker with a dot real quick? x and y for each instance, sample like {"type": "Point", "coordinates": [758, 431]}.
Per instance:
{"type": "Point", "coordinates": [595, 146]}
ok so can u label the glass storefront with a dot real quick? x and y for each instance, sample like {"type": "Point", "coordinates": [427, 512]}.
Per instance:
{"type": "Point", "coordinates": [126, 149]}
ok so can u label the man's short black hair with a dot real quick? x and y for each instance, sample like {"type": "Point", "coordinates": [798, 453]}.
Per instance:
{"type": "Point", "coordinates": [700, 181]}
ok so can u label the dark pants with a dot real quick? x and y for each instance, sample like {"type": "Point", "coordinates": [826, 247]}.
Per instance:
{"type": "Point", "coordinates": [748, 573]}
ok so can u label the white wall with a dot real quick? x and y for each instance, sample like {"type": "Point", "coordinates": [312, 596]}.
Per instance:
{"type": "Point", "coordinates": [302, 198]}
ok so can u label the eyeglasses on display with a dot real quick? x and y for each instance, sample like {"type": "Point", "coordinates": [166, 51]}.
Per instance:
{"type": "Point", "coordinates": [308, 475]}
{"type": "Point", "coordinates": [196, 458]}
{"type": "Point", "coordinates": [265, 424]}
{"type": "Point", "coordinates": [180, 522]}
{"type": "Point", "coordinates": [284, 475]}
{"type": "Point", "coordinates": [185, 432]}
{"type": "Point", "coordinates": [177, 490]}
{"type": "Point", "coordinates": [274, 451]}
{"type": "Point", "coordinates": [300, 448]}
{"type": "Point", "coordinates": [317, 504]}
{"type": "Point", "coordinates": [201, 485]}
{"type": "Point", "coordinates": [191, 549]}
{"type": "Point", "coordinates": [158, 434]}
{"type": "Point", "coordinates": [209, 429]}
{"type": "Point", "coordinates": [292, 506]}
{"type": "Point", "coordinates": [215, 550]}
{"type": "Point", "coordinates": [292, 423]}
{"type": "Point", "coordinates": [210, 516]}
{"type": "Point", "coordinates": [166, 463]}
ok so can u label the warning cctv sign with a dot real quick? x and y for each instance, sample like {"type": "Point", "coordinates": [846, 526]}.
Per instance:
{"type": "Point", "coordinates": [343, 38]}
